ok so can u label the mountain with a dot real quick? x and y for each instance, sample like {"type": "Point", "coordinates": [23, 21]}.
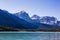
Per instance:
{"type": "Point", "coordinates": [49, 20]}
{"type": "Point", "coordinates": [58, 23]}
{"type": "Point", "coordinates": [36, 18]}
{"type": "Point", "coordinates": [41, 22]}
{"type": "Point", "coordinates": [10, 20]}
{"type": "Point", "coordinates": [23, 15]}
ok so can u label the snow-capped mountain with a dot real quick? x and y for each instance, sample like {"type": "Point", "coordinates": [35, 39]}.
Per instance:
{"type": "Point", "coordinates": [22, 20]}
{"type": "Point", "coordinates": [10, 20]}
{"type": "Point", "coordinates": [36, 19]}
{"type": "Point", "coordinates": [41, 22]}
{"type": "Point", "coordinates": [58, 23]}
{"type": "Point", "coordinates": [23, 15]}
{"type": "Point", "coordinates": [49, 20]}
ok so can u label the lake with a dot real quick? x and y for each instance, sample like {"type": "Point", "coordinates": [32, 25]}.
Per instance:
{"type": "Point", "coordinates": [29, 36]}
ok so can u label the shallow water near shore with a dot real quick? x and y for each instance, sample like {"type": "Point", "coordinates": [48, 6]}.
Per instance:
{"type": "Point", "coordinates": [29, 35]}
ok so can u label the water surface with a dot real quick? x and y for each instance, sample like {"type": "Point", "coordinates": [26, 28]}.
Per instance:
{"type": "Point", "coordinates": [30, 36]}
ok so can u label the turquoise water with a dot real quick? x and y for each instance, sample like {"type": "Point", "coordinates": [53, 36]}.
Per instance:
{"type": "Point", "coordinates": [29, 36]}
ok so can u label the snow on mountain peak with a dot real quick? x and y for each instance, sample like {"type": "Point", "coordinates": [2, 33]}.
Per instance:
{"type": "Point", "coordinates": [35, 17]}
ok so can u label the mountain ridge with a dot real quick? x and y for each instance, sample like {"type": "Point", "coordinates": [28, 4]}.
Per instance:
{"type": "Point", "coordinates": [24, 21]}
{"type": "Point", "coordinates": [8, 19]}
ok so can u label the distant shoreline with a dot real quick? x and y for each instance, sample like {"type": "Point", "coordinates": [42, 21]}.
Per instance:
{"type": "Point", "coordinates": [29, 32]}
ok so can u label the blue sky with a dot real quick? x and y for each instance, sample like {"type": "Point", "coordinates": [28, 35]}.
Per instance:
{"type": "Point", "coordinates": [39, 7]}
